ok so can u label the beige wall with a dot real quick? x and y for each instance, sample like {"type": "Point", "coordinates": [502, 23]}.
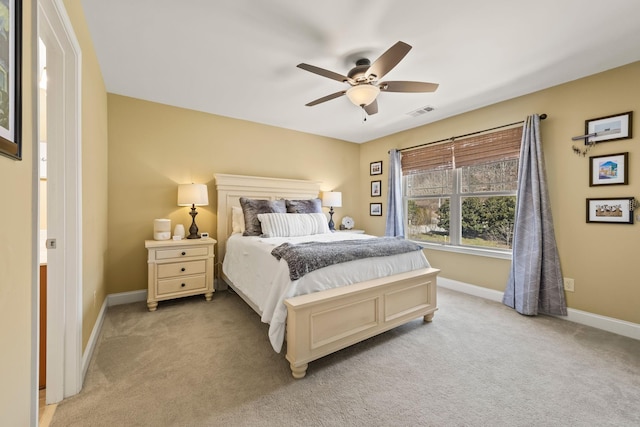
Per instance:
{"type": "Point", "coordinates": [94, 174]}
{"type": "Point", "coordinates": [17, 225]}
{"type": "Point", "coordinates": [154, 147]}
{"type": "Point", "coordinates": [18, 221]}
{"type": "Point", "coordinates": [600, 257]}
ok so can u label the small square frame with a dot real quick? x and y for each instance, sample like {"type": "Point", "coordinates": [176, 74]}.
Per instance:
{"type": "Point", "coordinates": [611, 169]}
{"type": "Point", "coordinates": [376, 188]}
{"type": "Point", "coordinates": [609, 128]}
{"type": "Point", "coordinates": [614, 210]}
{"type": "Point", "coordinates": [375, 168]}
{"type": "Point", "coordinates": [375, 209]}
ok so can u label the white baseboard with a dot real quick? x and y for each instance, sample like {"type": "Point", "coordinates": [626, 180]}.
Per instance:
{"type": "Point", "coordinates": [127, 297]}
{"type": "Point", "coordinates": [477, 291]}
{"type": "Point", "coordinates": [93, 339]}
{"type": "Point", "coordinates": [609, 324]}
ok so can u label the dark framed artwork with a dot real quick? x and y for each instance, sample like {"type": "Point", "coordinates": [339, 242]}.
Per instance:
{"type": "Point", "coordinates": [10, 79]}
{"type": "Point", "coordinates": [375, 209]}
{"type": "Point", "coordinates": [609, 128]}
{"type": "Point", "coordinates": [376, 188]}
{"type": "Point", "coordinates": [615, 210]}
{"type": "Point", "coordinates": [612, 169]}
{"type": "Point", "coordinates": [375, 168]}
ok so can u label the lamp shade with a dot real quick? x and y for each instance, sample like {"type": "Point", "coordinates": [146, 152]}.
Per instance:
{"type": "Point", "coordinates": [332, 199]}
{"type": "Point", "coordinates": [363, 94]}
{"type": "Point", "coordinates": [193, 194]}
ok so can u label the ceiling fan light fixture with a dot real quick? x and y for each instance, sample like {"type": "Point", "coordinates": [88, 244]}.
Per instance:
{"type": "Point", "coordinates": [363, 95]}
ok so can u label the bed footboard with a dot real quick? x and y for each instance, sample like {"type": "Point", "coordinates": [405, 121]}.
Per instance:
{"type": "Point", "coordinates": [324, 322]}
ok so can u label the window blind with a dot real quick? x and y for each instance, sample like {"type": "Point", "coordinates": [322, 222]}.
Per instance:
{"type": "Point", "coordinates": [488, 147]}
{"type": "Point", "coordinates": [431, 157]}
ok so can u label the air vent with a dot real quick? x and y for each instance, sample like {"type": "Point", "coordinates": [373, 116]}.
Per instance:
{"type": "Point", "coordinates": [421, 111]}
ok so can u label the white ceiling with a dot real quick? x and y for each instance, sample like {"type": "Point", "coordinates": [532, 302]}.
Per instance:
{"type": "Point", "coordinates": [238, 58]}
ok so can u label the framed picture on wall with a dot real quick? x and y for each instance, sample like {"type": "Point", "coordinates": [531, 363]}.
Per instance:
{"type": "Point", "coordinates": [609, 128]}
{"type": "Point", "coordinates": [375, 168]}
{"type": "Point", "coordinates": [376, 188]}
{"type": "Point", "coordinates": [10, 75]}
{"type": "Point", "coordinates": [612, 169]}
{"type": "Point", "coordinates": [375, 209]}
{"type": "Point", "coordinates": [616, 210]}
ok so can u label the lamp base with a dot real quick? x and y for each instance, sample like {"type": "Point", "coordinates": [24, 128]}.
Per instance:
{"type": "Point", "coordinates": [193, 230]}
{"type": "Point", "coordinates": [332, 226]}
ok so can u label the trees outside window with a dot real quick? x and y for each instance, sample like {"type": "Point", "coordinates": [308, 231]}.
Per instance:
{"type": "Point", "coordinates": [468, 206]}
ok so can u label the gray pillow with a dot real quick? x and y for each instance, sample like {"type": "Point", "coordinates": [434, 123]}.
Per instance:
{"type": "Point", "coordinates": [304, 206]}
{"type": "Point", "coordinates": [252, 207]}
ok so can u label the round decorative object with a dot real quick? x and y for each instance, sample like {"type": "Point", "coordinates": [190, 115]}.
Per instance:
{"type": "Point", "coordinates": [347, 221]}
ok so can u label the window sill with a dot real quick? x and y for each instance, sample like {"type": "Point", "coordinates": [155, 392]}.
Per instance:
{"type": "Point", "coordinates": [489, 253]}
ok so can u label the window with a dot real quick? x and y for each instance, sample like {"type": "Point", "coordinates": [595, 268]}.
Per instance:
{"type": "Point", "coordinates": [463, 192]}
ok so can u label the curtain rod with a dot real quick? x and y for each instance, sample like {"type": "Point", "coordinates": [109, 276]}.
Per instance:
{"type": "Point", "coordinates": [542, 117]}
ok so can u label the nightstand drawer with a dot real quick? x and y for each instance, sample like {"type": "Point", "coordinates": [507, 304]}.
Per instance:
{"type": "Point", "coordinates": [181, 284]}
{"type": "Point", "coordinates": [182, 252]}
{"type": "Point", "coordinates": [181, 268]}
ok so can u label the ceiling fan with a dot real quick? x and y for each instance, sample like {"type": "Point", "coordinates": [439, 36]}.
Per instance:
{"type": "Point", "coordinates": [364, 77]}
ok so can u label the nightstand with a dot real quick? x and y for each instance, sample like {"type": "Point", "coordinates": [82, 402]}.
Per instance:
{"type": "Point", "coordinates": [179, 268]}
{"type": "Point", "coordinates": [352, 230]}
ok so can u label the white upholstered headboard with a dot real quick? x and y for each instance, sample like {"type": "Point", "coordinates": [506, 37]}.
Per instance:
{"type": "Point", "coordinates": [231, 187]}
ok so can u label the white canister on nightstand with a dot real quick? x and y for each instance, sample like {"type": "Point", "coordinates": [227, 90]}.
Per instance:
{"type": "Point", "coordinates": [161, 229]}
{"type": "Point", "coordinates": [178, 232]}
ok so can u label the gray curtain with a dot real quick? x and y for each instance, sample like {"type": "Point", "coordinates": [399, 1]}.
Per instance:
{"type": "Point", "coordinates": [535, 281]}
{"type": "Point", "coordinates": [395, 222]}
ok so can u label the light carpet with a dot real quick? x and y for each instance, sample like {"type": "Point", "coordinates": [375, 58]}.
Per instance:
{"type": "Point", "coordinates": [479, 363]}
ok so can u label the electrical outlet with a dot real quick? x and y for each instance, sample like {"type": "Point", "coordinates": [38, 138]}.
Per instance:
{"type": "Point", "coordinates": [569, 284]}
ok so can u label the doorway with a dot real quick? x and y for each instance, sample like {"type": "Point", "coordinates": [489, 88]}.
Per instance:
{"type": "Point", "coordinates": [63, 202]}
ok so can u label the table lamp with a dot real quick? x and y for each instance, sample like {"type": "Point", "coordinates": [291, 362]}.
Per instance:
{"type": "Point", "coordinates": [332, 199]}
{"type": "Point", "coordinates": [193, 195]}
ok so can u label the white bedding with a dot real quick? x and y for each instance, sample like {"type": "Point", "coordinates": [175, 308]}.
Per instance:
{"type": "Point", "coordinates": [256, 273]}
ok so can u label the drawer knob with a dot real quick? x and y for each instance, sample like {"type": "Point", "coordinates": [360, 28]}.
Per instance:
{"type": "Point", "coordinates": [183, 285]}
{"type": "Point", "coordinates": [184, 253]}
{"type": "Point", "coordinates": [183, 269]}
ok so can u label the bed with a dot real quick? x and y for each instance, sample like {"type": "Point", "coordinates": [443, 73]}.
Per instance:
{"type": "Point", "coordinates": [334, 316]}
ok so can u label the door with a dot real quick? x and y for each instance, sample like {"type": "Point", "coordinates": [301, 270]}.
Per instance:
{"type": "Point", "coordinates": [64, 202]}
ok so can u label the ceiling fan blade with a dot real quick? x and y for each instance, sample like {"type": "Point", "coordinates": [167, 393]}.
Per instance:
{"type": "Point", "coordinates": [400, 86]}
{"type": "Point", "coordinates": [388, 60]}
{"type": "Point", "coordinates": [325, 73]}
{"type": "Point", "coordinates": [326, 98]}
{"type": "Point", "coordinates": [372, 108]}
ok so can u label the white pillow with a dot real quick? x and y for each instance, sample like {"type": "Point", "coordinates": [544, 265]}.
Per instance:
{"type": "Point", "coordinates": [237, 220]}
{"type": "Point", "coordinates": [292, 225]}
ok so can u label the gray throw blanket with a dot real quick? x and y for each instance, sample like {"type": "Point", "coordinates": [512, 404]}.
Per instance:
{"type": "Point", "coordinates": [306, 257]}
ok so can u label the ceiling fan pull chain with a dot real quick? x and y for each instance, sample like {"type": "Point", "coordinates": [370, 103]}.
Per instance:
{"type": "Point", "coordinates": [364, 115]}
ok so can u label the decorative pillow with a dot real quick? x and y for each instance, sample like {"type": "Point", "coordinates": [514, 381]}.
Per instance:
{"type": "Point", "coordinates": [304, 206]}
{"type": "Point", "coordinates": [237, 220]}
{"type": "Point", "coordinates": [292, 225]}
{"type": "Point", "coordinates": [252, 207]}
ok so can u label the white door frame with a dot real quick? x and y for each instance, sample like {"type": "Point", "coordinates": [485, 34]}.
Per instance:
{"type": "Point", "coordinates": [64, 210]}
